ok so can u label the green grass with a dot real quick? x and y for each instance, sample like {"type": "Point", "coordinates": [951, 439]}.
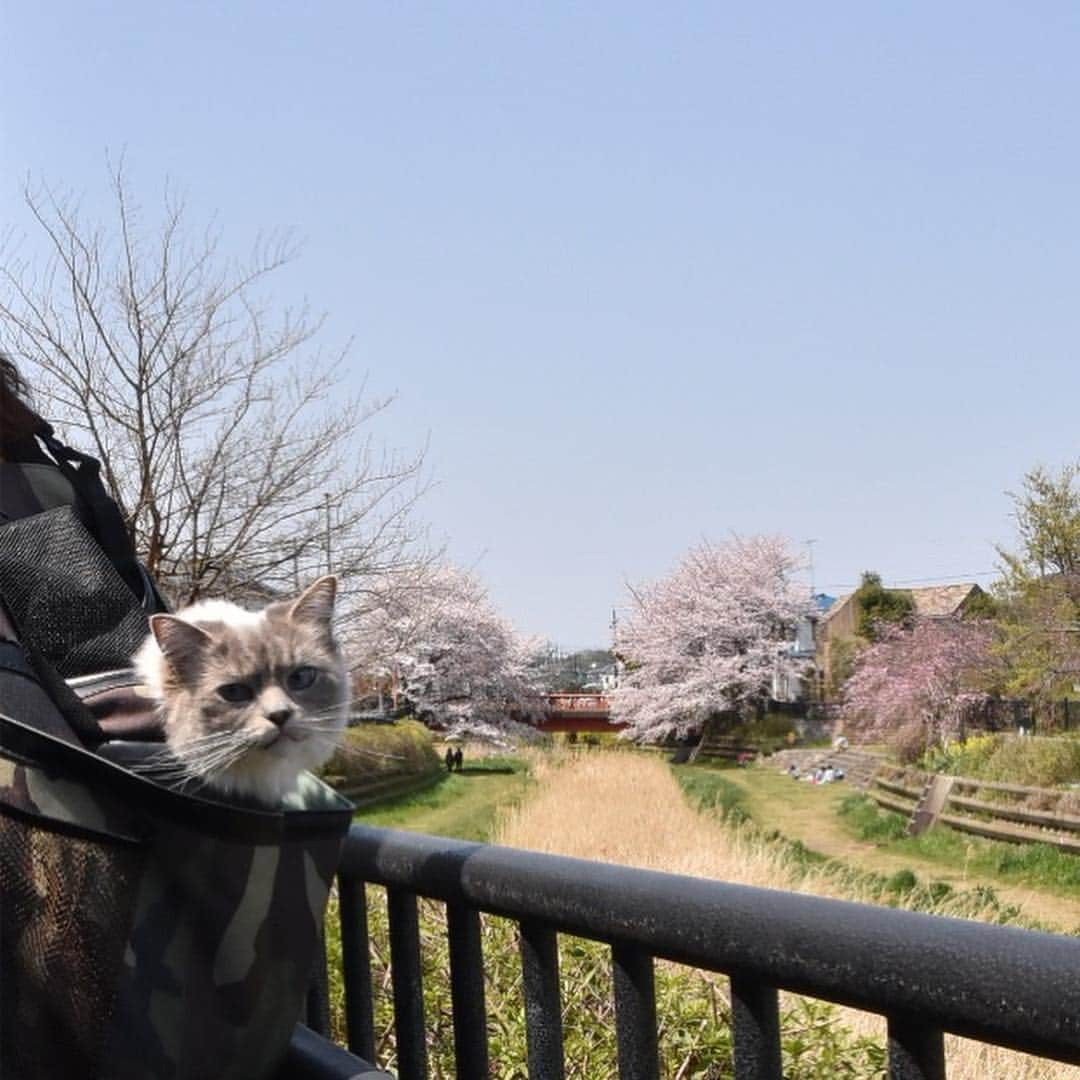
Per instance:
{"type": "Point", "coordinates": [708, 791]}
{"type": "Point", "coordinates": [463, 805]}
{"type": "Point", "coordinates": [868, 821]}
{"type": "Point", "coordinates": [1040, 866]}
{"type": "Point", "coordinates": [743, 797]}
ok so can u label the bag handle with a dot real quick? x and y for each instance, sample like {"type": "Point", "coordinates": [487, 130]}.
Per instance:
{"type": "Point", "coordinates": [107, 523]}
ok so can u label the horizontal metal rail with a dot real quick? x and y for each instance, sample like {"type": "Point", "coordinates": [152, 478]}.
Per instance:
{"type": "Point", "coordinates": [927, 974]}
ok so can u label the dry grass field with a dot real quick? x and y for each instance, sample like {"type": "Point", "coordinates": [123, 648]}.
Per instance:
{"type": "Point", "coordinates": [627, 808]}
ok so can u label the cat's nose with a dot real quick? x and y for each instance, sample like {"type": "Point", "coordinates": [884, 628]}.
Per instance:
{"type": "Point", "coordinates": [280, 716]}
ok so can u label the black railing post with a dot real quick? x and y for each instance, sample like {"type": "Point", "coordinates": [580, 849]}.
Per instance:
{"type": "Point", "coordinates": [405, 971]}
{"type": "Point", "coordinates": [467, 992]}
{"type": "Point", "coordinates": [755, 1020]}
{"type": "Point", "coordinates": [543, 1009]}
{"type": "Point", "coordinates": [916, 1049]}
{"type": "Point", "coordinates": [317, 1004]}
{"type": "Point", "coordinates": [635, 1013]}
{"type": "Point", "coordinates": [356, 968]}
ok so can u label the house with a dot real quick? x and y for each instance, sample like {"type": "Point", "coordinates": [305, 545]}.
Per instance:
{"type": "Point", "coordinates": [931, 602]}
{"type": "Point", "coordinates": [797, 681]}
{"type": "Point", "coordinates": [603, 677]}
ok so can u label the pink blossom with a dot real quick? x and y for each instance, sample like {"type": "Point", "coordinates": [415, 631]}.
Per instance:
{"type": "Point", "coordinates": [708, 638]}
{"type": "Point", "coordinates": [459, 664]}
{"type": "Point", "coordinates": [914, 687]}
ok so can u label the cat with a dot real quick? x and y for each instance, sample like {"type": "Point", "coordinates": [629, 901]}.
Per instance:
{"type": "Point", "coordinates": [248, 699]}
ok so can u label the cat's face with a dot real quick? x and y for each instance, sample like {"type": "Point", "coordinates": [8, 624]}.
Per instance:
{"type": "Point", "coordinates": [250, 699]}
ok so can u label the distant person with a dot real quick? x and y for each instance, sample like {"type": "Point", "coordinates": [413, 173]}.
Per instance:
{"type": "Point", "coordinates": [459, 759]}
{"type": "Point", "coordinates": [449, 759]}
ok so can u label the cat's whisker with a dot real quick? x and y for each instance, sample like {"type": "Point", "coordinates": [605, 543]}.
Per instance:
{"type": "Point", "coordinates": [179, 775]}
{"type": "Point", "coordinates": [233, 750]}
{"type": "Point", "coordinates": [206, 743]}
{"type": "Point", "coordinates": [162, 773]}
{"type": "Point", "coordinates": [210, 761]}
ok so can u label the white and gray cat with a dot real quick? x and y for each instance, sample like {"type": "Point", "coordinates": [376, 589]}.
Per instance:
{"type": "Point", "coordinates": [249, 699]}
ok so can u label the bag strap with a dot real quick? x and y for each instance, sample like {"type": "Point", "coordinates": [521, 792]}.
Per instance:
{"type": "Point", "coordinates": [107, 523]}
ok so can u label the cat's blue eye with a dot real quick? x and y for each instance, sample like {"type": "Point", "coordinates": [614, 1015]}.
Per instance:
{"type": "Point", "coordinates": [235, 693]}
{"type": "Point", "coordinates": [300, 678]}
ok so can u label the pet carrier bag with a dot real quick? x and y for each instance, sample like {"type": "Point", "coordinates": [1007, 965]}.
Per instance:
{"type": "Point", "coordinates": [145, 932]}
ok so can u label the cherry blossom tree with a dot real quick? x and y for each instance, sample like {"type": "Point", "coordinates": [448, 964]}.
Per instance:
{"type": "Point", "coordinates": [708, 638]}
{"type": "Point", "coordinates": [916, 687]}
{"type": "Point", "coordinates": [455, 661]}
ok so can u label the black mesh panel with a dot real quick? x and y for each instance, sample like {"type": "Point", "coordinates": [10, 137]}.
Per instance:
{"type": "Point", "coordinates": [70, 605]}
{"type": "Point", "coordinates": [65, 908]}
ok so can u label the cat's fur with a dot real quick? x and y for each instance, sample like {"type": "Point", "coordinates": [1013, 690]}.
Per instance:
{"type": "Point", "coordinates": [231, 689]}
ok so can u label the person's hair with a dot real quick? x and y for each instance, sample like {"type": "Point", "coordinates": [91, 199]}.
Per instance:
{"type": "Point", "coordinates": [17, 418]}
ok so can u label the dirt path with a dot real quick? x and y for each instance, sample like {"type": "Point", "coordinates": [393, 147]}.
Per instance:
{"type": "Point", "coordinates": [808, 813]}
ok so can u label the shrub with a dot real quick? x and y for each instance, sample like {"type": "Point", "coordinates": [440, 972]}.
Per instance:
{"type": "Point", "coordinates": [374, 751]}
{"type": "Point", "coordinates": [875, 605]}
{"type": "Point", "coordinates": [1036, 761]}
{"type": "Point", "coordinates": [963, 758]}
{"type": "Point", "coordinates": [903, 881]}
{"type": "Point", "coordinates": [939, 890]}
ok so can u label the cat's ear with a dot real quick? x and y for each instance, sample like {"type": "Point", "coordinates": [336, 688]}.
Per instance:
{"type": "Point", "coordinates": [316, 603]}
{"type": "Point", "coordinates": [183, 645]}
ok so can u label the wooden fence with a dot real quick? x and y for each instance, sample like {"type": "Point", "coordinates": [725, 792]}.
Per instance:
{"type": "Point", "coordinates": [1010, 812]}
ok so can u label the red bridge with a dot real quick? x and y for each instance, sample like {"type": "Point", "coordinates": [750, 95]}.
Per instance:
{"type": "Point", "coordinates": [578, 712]}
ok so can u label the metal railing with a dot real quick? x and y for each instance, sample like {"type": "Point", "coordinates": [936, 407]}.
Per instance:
{"type": "Point", "coordinates": [926, 974]}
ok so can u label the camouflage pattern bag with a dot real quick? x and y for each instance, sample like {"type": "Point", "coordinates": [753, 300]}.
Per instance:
{"type": "Point", "coordinates": [145, 932]}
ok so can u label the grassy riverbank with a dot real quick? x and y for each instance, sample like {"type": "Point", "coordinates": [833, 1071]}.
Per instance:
{"type": "Point", "coordinates": [833, 821]}
{"type": "Point", "coordinates": [465, 805]}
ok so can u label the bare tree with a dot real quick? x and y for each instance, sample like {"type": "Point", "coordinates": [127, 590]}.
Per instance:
{"type": "Point", "coordinates": [222, 430]}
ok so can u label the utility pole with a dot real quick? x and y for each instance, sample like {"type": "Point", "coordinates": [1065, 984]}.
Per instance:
{"type": "Point", "coordinates": [810, 554]}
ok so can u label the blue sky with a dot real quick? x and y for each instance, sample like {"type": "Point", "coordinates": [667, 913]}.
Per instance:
{"type": "Point", "coordinates": [643, 274]}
